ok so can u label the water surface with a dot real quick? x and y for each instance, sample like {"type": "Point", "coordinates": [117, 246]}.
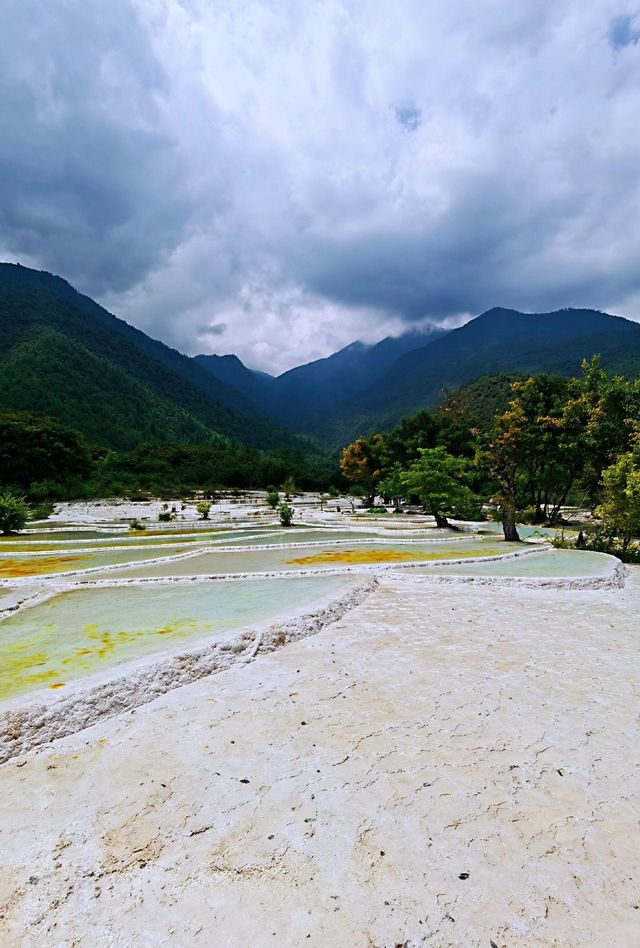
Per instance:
{"type": "Point", "coordinates": [82, 632]}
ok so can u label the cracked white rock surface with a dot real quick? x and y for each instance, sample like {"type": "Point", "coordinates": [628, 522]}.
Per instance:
{"type": "Point", "coordinates": [335, 791]}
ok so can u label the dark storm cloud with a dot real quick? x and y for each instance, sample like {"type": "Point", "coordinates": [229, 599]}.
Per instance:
{"type": "Point", "coordinates": [90, 175]}
{"type": "Point", "coordinates": [289, 177]}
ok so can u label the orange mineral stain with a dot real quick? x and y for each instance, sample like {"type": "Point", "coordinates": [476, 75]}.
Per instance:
{"type": "Point", "coordinates": [359, 557]}
{"type": "Point", "coordinates": [37, 567]}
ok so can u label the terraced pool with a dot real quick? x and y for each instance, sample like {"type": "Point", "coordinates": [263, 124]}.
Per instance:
{"type": "Point", "coordinates": [59, 562]}
{"type": "Point", "coordinates": [549, 564]}
{"type": "Point", "coordinates": [78, 633]}
{"type": "Point", "coordinates": [326, 556]}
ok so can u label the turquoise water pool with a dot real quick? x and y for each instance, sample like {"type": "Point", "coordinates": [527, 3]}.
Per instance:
{"type": "Point", "coordinates": [78, 633]}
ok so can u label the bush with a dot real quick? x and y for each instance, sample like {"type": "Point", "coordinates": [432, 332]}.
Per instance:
{"type": "Point", "coordinates": [285, 512]}
{"type": "Point", "coordinates": [14, 512]}
{"type": "Point", "coordinates": [273, 499]}
{"type": "Point", "coordinates": [289, 487]}
{"type": "Point", "coordinates": [528, 515]}
{"type": "Point", "coordinates": [165, 516]}
{"type": "Point", "coordinates": [600, 542]}
{"type": "Point", "coordinates": [41, 511]}
{"type": "Point", "coordinates": [203, 509]}
{"type": "Point", "coordinates": [136, 524]}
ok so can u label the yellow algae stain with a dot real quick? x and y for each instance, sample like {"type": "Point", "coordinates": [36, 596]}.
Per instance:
{"type": "Point", "coordinates": [39, 566]}
{"type": "Point", "coordinates": [386, 556]}
{"type": "Point", "coordinates": [45, 656]}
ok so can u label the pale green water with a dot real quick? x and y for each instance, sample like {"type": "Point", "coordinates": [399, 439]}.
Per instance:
{"type": "Point", "coordinates": [327, 556]}
{"type": "Point", "coordinates": [57, 535]}
{"type": "Point", "coordinates": [68, 561]}
{"type": "Point", "coordinates": [82, 632]}
{"type": "Point", "coordinates": [53, 546]}
{"type": "Point", "coordinates": [297, 536]}
{"type": "Point", "coordinates": [548, 565]}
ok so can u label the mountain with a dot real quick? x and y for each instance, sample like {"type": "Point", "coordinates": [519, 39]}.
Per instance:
{"type": "Point", "coordinates": [500, 340]}
{"type": "Point", "coordinates": [230, 370]}
{"type": "Point", "coordinates": [63, 355]}
{"type": "Point", "coordinates": [305, 396]}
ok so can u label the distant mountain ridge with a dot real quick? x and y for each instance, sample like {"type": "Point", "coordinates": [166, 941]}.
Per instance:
{"type": "Point", "coordinates": [63, 355]}
{"type": "Point", "coordinates": [302, 397]}
{"type": "Point", "coordinates": [499, 340]}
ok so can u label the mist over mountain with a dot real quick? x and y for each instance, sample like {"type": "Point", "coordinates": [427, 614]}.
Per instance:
{"type": "Point", "coordinates": [63, 355]}
{"type": "Point", "coordinates": [305, 396]}
{"type": "Point", "coordinates": [362, 388]}
{"type": "Point", "coordinates": [499, 340]}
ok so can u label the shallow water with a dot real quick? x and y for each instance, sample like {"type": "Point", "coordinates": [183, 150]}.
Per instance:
{"type": "Point", "coordinates": [305, 535]}
{"type": "Point", "coordinates": [82, 632]}
{"type": "Point", "coordinates": [550, 564]}
{"type": "Point", "coordinates": [213, 563]}
{"type": "Point", "coordinates": [64, 562]}
{"type": "Point", "coordinates": [57, 535]}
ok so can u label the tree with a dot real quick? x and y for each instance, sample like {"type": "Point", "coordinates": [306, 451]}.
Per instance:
{"type": "Point", "coordinates": [272, 499]}
{"type": "Point", "coordinates": [203, 508]}
{"type": "Point", "coordinates": [613, 411]}
{"type": "Point", "coordinates": [392, 485]}
{"type": "Point", "coordinates": [35, 449]}
{"type": "Point", "coordinates": [497, 456]}
{"type": "Point", "coordinates": [620, 507]}
{"type": "Point", "coordinates": [361, 463]}
{"type": "Point", "coordinates": [289, 487]}
{"type": "Point", "coordinates": [536, 450]}
{"type": "Point", "coordinates": [14, 513]}
{"type": "Point", "coordinates": [547, 428]}
{"type": "Point", "coordinates": [438, 479]}
{"type": "Point", "coordinates": [285, 512]}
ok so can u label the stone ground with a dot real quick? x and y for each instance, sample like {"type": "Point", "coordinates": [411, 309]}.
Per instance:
{"type": "Point", "coordinates": [447, 765]}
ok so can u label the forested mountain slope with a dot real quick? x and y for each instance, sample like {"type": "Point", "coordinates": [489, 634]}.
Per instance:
{"type": "Point", "coordinates": [306, 396]}
{"type": "Point", "coordinates": [64, 355]}
{"type": "Point", "coordinates": [498, 341]}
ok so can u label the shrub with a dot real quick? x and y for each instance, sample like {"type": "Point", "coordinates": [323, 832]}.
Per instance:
{"type": "Point", "coordinates": [273, 499]}
{"type": "Point", "coordinates": [528, 515]}
{"type": "Point", "coordinates": [285, 512]}
{"type": "Point", "coordinates": [203, 509]}
{"type": "Point", "coordinates": [289, 487]}
{"type": "Point", "coordinates": [599, 542]}
{"type": "Point", "coordinates": [42, 510]}
{"type": "Point", "coordinates": [165, 516]}
{"type": "Point", "coordinates": [14, 512]}
{"type": "Point", "coordinates": [136, 524]}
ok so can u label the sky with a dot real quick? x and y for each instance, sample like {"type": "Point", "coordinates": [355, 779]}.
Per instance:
{"type": "Point", "coordinates": [277, 178]}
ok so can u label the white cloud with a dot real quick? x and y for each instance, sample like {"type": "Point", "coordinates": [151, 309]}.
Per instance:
{"type": "Point", "coordinates": [309, 173]}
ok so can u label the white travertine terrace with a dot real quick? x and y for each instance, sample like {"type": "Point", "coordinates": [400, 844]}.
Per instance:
{"type": "Point", "coordinates": [445, 765]}
{"type": "Point", "coordinates": [433, 758]}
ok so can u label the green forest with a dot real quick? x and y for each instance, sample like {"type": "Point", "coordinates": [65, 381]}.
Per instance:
{"type": "Point", "coordinates": [527, 447]}
{"type": "Point", "coordinates": [554, 442]}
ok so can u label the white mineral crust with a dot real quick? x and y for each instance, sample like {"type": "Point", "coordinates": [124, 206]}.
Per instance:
{"type": "Point", "coordinates": [445, 765]}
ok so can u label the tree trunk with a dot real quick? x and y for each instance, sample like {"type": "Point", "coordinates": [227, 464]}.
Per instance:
{"type": "Point", "coordinates": [509, 523]}
{"type": "Point", "coordinates": [441, 520]}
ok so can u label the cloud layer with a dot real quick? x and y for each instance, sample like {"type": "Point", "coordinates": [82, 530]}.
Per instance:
{"type": "Point", "coordinates": [277, 178]}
